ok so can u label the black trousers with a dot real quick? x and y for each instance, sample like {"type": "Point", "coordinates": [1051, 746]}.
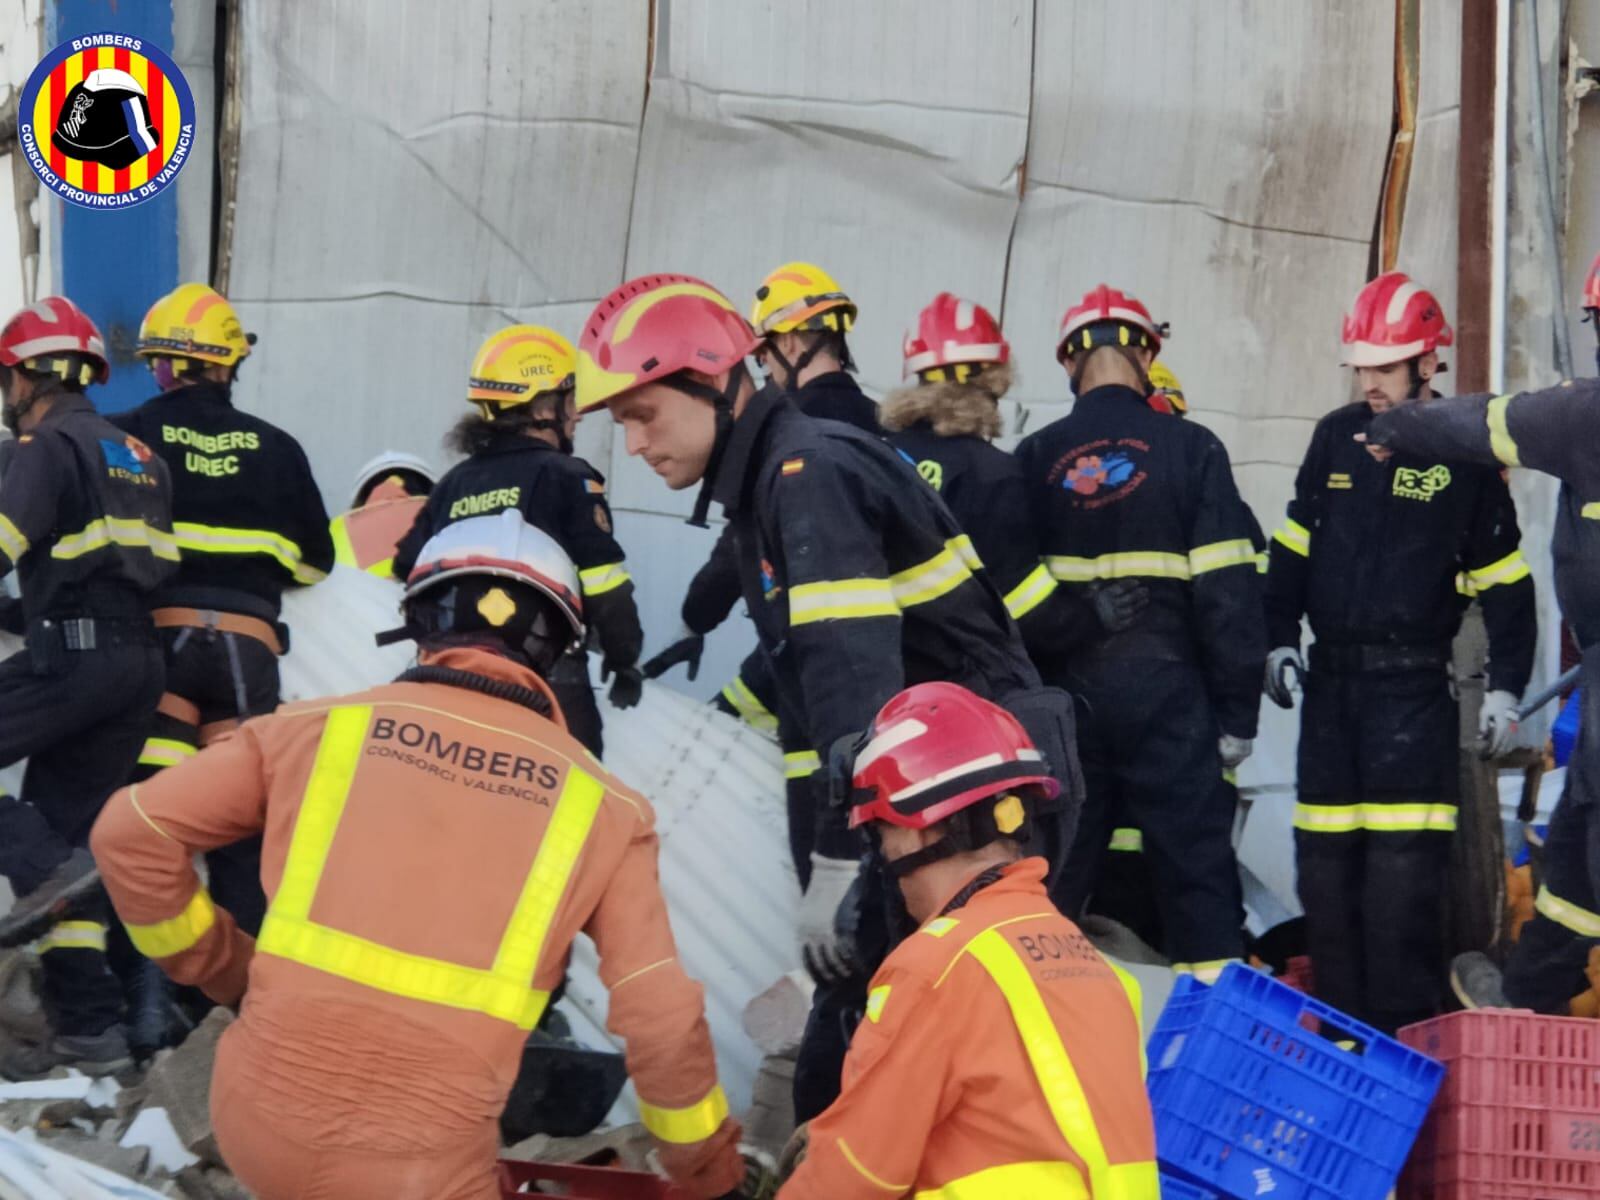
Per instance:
{"type": "Point", "coordinates": [569, 680]}
{"type": "Point", "coordinates": [1378, 783]}
{"type": "Point", "coordinates": [79, 718]}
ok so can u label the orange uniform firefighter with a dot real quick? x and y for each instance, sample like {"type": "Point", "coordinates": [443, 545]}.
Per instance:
{"type": "Point", "coordinates": [390, 491]}
{"type": "Point", "coordinates": [1000, 1056]}
{"type": "Point", "coordinates": [432, 848]}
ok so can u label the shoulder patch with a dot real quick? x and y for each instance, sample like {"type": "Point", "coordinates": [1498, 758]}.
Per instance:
{"type": "Point", "coordinates": [595, 487]}
{"type": "Point", "coordinates": [793, 466]}
{"type": "Point", "coordinates": [1340, 481]}
{"type": "Point", "coordinates": [601, 519]}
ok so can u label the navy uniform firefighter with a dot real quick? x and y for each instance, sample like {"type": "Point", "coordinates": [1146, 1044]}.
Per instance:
{"type": "Point", "coordinates": [250, 523]}
{"type": "Point", "coordinates": [858, 579]}
{"type": "Point", "coordinates": [518, 443]}
{"type": "Point", "coordinates": [1121, 491]}
{"type": "Point", "coordinates": [1382, 557]}
{"type": "Point", "coordinates": [1555, 431]}
{"type": "Point", "coordinates": [391, 489]}
{"type": "Point", "coordinates": [86, 522]}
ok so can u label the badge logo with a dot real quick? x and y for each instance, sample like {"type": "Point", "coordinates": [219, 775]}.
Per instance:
{"type": "Point", "coordinates": [1101, 472]}
{"type": "Point", "coordinates": [933, 471]}
{"type": "Point", "coordinates": [769, 581]}
{"type": "Point", "coordinates": [1414, 484]}
{"type": "Point", "coordinates": [125, 460]}
{"type": "Point", "coordinates": [106, 120]}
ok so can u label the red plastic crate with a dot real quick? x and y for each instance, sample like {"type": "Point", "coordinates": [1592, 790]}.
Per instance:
{"type": "Point", "coordinates": [584, 1183]}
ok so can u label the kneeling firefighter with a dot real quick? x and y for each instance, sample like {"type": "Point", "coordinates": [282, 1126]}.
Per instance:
{"type": "Point", "coordinates": [386, 1022]}
{"type": "Point", "coordinates": [390, 491]}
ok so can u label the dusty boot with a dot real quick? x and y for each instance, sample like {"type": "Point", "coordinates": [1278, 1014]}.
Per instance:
{"type": "Point", "coordinates": [154, 1019]}
{"type": "Point", "coordinates": [1477, 982]}
{"type": "Point", "coordinates": [34, 913]}
{"type": "Point", "coordinates": [93, 1054]}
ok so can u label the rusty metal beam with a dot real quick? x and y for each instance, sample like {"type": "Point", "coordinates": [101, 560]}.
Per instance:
{"type": "Point", "coordinates": [1475, 180]}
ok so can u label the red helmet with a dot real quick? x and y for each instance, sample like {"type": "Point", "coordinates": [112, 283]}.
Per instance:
{"type": "Point", "coordinates": [1394, 320]}
{"type": "Point", "coordinates": [952, 330]}
{"type": "Point", "coordinates": [1591, 285]}
{"type": "Point", "coordinates": [936, 749]}
{"type": "Point", "coordinates": [1117, 310]}
{"type": "Point", "coordinates": [53, 330]}
{"type": "Point", "coordinates": [653, 327]}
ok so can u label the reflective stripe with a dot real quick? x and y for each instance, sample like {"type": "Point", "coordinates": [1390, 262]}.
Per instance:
{"type": "Point", "coordinates": [597, 581]}
{"type": "Point", "coordinates": [505, 990]}
{"type": "Point", "coordinates": [1592, 511]}
{"type": "Point", "coordinates": [1129, 840]}
{"type": "Point", "coordinates": [1292, 535]}
{"type": "Point", "coordinates": [344, 550]}
{"type": "Point", "coordinates": [1135, 994]}
{"type": "Point", "coordinates": [1014, 1181]}
{"type": "Point", "coordinates": [841, 600]}
{"type": "Point", "coordinates": [940, 926]}
{"type": "Point", "coordinates": [682, 1126]}
{"type": "Point", "coordinates": [749, 707]}
{"type": "Point", "coordinates": [861, 1170]}
{"type": "Point", "coordinates": [800, 763]}
{"type": "Point", "coordinates": [164, 752]}
{"type": "Point", "coordinates": [73, 935]}
{"type": "Point", "coordinates": [1564, 912]}
{"type": "Point", "coordinates": [1033, 591]}
{"type": "Point", "coordinates": [383, 569]}
{"type": "Point", "coordinates": [1155, 564]}
{"type": "Point", "coordinates": [12, 540]}
{"type": "Point", "coordinates": [876, 999]}
{"type": "Point", "coordinates": [1263, 563]}
{"type": "Point", "coordinates": [214, 539]}
{"type": "Point", "coordinates": [1501, 443]}
{"type": "Point", "coordinates": [961, 546]}
{"type": "Point", "coordinates": [1376, 818]}
{"type": "Point", "coordinates": [1510, 569]}
{"type": "Point", "coordinates": [175, 934]}
{"type": "Point", "coordinates": [1205, 972]}
{"type": "Point", "coordinates": [1052, 1067]}
{"type": "Point", "coordinates": [1239, 552]}
{"type": "Point", "coordinates": [939, 576]}
{"type": "Point", "coordinates": [120, 531]}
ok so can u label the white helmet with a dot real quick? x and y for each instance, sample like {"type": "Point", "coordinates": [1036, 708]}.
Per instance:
{"type": "Point", "coordinates": [383, 464]}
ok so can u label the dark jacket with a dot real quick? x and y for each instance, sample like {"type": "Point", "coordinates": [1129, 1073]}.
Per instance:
{"type": "Point", "coordinates": [85, 517]}
{"type": "Point", "coordinates": [1390, 554]}
{"type": "Point", "coordinates": [558, 493]}
{"type": "Point", "coordinates": [1120, 490]}
{"type": "Point", "coordinates": [245, 508]}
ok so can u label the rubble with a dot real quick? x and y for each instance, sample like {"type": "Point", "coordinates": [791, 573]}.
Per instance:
{"type": "Point", "coordinates": [179, 1081]}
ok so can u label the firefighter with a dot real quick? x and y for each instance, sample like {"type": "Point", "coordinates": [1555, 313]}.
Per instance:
{"type": "Point", "coordinates": [1382, 557]}
{"type": "Point", "coordinates": [945, 424]}
{"type": "Point", "coordinates": [384, 1021]}
{"type": "Point", "coordinates": [1551, 430]}
{"type": "Point", "coordinates": [1591, 305]}
{"type": "Point", "coordinates": [86, 522]}
{"type": "Point", "coordinates": [518, 443]}
{"type": "Point", "coordinates": [1001, 1056]}
{"type": "Point", "coordinates": [390, 491]}
{"type": "Point", "coordinates": [857, 578]}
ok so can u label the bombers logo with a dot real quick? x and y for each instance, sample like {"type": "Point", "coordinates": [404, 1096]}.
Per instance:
{"type": "Point", "coordinates": [106, 120]}
{"type": "Point", "coordinates": [1101, 472]}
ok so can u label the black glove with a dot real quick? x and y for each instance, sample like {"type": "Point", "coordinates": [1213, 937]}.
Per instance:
{"type": "Point", "coordinates": [687, 649]}
{"type": "Point", "coordinates": [1118, 604]}
{"type": "Point", "coordinates": [629, 686]}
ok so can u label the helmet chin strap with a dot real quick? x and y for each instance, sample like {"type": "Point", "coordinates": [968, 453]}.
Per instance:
{"type": "Point", "coordinates": [722, 403]}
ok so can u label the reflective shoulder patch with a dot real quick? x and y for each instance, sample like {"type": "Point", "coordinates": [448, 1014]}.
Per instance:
{"type": "Point", "coordinates": [940, 926]}
{"type": "Point", "coordinates": [793, 466]}
{"type": "Point", "coordinates": [876, 999]}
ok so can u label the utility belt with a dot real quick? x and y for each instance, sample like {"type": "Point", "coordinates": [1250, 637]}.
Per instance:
{"type": "Point", "coordinates": [1368, 658]}
{"type": "Point", "coordinates": [274, 636]}
{"type": "Point", "coordinates": [50, 639]}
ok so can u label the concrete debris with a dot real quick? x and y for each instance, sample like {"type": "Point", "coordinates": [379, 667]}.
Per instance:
{"type": "Point", "coordinates": [776, 1018]}
{"type": "Point", "coordinates": [129, 1160]}
{"type": "Point", "coordinates": [769, 1123]}
{"type": "Point", "coordinates": [179, 1081]}
{"type": "Point", "coordinates": [21, 1010]}
{"type": "Point", "coordinates": [153, 1129]}
{"type": "Point", "coordinates": [626, 1146]}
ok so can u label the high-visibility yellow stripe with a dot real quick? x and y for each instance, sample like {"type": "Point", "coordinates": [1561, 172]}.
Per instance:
{"type": "Point", "coordinates": [1012, 1181]}
{"type": "Point", "coordinates": [961, 546]}
{"type": "Point", "coordinates": [749, 707]}
{"type": "Point", "coordinates": [1501, 443]}
{"type": "Point", "coordinates": [1052, 1067]}
{"type": "Point", "coordinates": [1033, 591]}
{"type": "Point", "coordinates": [1375, 818]}
{"type": "Point", "coordinates": [164, 752]}
{"type": "Point", "coordinates": [1216, 556]}
{"type": "Point", "coordinates": [327, 788]}
{"type": "Point", "coordinates": [1292, 535]}
{"type": "Point", "coordinates": [1592, 511]}
{"type": "Point", "coordinates": [1564, 912]}
{"type": "Point", "coordinates": [12, 541]}
{"type": "Point", "coordinates": [121, 531]}
{"type": "Point", "coordinates": [216, 539]}
{"type": "Point", "coordinates": [800, 763]}
{"type": "Point", "coordinates": [682, 1126]}
{"type": "Point", "coordinates": [1156, 564]}
{"type": "Point", "coordinates": [73, 935]}
{"type": "Point", "coordinates": [597, 581]}
{"type": "Point", "coordinates": [939, 576]}
{"type": "Point", "coordinates": [1129, 841]}
{"type": "Point", "coordinates": [1205, 972]}
{"type": "Point", "coordinates": [344, 550]}
{"type": "Point", "coordinates": [1135, 994]}
{"type": "Point", "coordinates": [175, 934]}
{"type": "Point", "coordinates": [876, 999]}
{"type": "Point", "coordinates": [840, 600]}
{"type": "Point", "coordinates": [1510, 569]}
{"type": "Point", "coordinates": [1263, 562]}
{"type": "Point", "coordinates": [384, 569]}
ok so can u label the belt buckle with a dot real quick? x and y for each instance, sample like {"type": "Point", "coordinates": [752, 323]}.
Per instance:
{"type": "Point", "coordinates": [210, 619]}
{"type": "Point", "coordinates": [78, 633]}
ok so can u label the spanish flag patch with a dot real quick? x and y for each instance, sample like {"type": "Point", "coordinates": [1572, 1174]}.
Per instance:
{"type": "Point", "coordinates": [596, 488]}
{"type": "Point", "coordinates": [793, 466]}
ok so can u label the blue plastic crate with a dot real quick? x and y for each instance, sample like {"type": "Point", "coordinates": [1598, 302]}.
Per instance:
{"type": "Point", "coordinates": [1253, 1097]}
{"type": "Point", "coordinates": [1182, 1189]}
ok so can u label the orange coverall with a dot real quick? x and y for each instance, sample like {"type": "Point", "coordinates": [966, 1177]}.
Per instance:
{"type": "Point", "coordinates": [366, 537]}
{"type": "Point", "coordinates": [943, 1094]}
{"type": "Point", "coordinates": [430, 854]}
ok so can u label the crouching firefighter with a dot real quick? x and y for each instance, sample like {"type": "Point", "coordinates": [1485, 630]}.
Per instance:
{"type": "Point", "coordinates": [1001, 1055]}
{"type": "Point", "coordinates": [86, 522]}
{"type": "Point", "coordinates": [386, 1022]}
{"type": "Point", "coordinates": [390, 491]}
{"type": "Point", "coordinates": [518, 443]}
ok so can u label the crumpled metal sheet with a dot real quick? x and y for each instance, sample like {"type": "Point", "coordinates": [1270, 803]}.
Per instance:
{"type": "Point", "coordinates": [32, 1171]}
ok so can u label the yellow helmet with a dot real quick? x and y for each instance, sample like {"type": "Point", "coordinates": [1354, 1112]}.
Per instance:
{"type": "Point", "coordinates": [1164, 385]}
{"type": "Point", "coordinates": [519, 363]}
{"type": "Point", "coordinates": [194, 321]}
{"type": "Point", "coordinates": [799, 296]}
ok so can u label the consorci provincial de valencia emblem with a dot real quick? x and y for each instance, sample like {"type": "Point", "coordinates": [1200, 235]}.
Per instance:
{"type": "Point", "coordinates": [106, 120]}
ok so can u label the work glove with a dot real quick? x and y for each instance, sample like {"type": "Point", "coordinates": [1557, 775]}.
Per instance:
{"type": "Point", "coordinates": [795, 1150]}
{"type": "Point", "coordinates": [629, 686]}
{"type": "Point", "coordinates": [1284, 667]}
{"type": "Point", "coordinates": [1497, 724]}
{"type": "Point", "coordinates": [1234, 750]}
{"type": "Point", "coordinates": [706, 1169]}
{"type": "Point", "coordinates": [828, 955]}
{"type": "Point", "coordinates": [1117, 605]}
{"type": "Point", "coordinates": [687, 647]}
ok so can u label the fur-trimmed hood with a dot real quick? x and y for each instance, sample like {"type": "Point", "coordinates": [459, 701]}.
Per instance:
{"type": "Point", "coordinates": [953, 409]}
